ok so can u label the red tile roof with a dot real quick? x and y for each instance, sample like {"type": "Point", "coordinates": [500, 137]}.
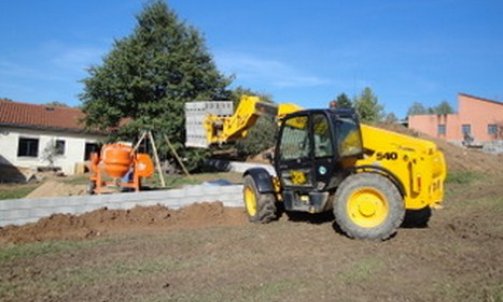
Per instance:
{"type": "Point", "coordinates": [40, 116]}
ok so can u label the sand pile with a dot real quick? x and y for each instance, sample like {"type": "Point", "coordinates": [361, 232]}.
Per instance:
{"type": "Point", "coordinates": [53, 188]}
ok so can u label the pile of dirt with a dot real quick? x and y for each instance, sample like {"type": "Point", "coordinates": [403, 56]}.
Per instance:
{"type": "Point", "coordinates": [106, 221]}
{"type": "Point", "coordinates": [458, 158]}
{"type": "Point", "coordinates": [52, 188]}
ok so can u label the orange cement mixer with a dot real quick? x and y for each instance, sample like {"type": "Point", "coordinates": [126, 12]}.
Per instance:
{"type": "Point", "coordinates": [118, 161]}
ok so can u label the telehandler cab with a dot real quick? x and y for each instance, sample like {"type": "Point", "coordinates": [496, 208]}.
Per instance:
{"type": "Point", "coordinates": [326, 160]}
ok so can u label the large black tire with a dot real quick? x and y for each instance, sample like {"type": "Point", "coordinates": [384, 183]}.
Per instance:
{"type": "Point", "coordinates": [260, 207]}
{"type": "Point", "coordinates": [368, 206]}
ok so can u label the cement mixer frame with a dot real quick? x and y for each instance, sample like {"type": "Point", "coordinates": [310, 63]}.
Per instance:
{"type": "Point", "coordinates": [124, 160]}
{"type": "Point", "coordinates": [123, 164]}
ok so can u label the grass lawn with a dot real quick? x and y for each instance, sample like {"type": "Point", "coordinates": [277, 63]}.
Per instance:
{"type": "Point", "coordinates": [177, 181]}
{"type": "Point", "coordinates": [15, 191]}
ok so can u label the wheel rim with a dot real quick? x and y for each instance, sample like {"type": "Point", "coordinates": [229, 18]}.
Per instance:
{"type": "Point", "coordinates": [367, 207]}
{"type": "Point", "coordinates": [250, 201]}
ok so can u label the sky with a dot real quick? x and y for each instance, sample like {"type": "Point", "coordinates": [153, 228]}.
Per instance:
{"type": "Point", "coordinates": [303, 51]}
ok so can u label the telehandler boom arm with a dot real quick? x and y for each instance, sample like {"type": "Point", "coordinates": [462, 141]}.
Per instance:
{"type": "Point", "coordinates": [223, 129]}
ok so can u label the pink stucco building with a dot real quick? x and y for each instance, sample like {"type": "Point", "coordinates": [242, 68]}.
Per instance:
{"type": "Point", "coordinates": [477, 118]}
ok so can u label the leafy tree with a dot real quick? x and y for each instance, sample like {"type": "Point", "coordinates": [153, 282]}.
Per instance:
{"type": "Point", "coordinates": [50, 153]}
{"type": "Point", "coordinates": [368, 107]}
{"type": "Point", "coordinates": [443, 108]}
{"type": "Point", "coordinates": [416, 109]}
{"type": "Point", "coordinates": [147, 78]}
{"type": "Point", "coordinates": [390, 118]}
{"type": "Point", "coordinates": [343, 101]}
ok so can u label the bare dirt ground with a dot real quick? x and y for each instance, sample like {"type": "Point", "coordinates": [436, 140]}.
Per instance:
{"type": "Point", "coordinates": [210, 253]}
{"type": "Point", "coordinates": [207, 252]}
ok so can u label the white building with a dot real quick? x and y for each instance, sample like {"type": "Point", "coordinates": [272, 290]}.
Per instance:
{"type": "Point", "coordinates": [31, 136]}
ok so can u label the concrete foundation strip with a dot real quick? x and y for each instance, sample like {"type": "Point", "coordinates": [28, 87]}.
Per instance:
{"type": "Point", "coordinates": [21, 211]}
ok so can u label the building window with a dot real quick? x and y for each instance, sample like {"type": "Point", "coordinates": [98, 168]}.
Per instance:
{"type": "Point", "coordinates": [492, 129]}
{"type": "Point", "coordinates": [441, 129]}
{"type": "Point", "coordinates": [59, 146]}
{"type": "Point", "coordinates": [90, 148]}
{"type": "Point", "coordinates": [466, 129]}
{"type": "Point", "coordinates": [27, 147]}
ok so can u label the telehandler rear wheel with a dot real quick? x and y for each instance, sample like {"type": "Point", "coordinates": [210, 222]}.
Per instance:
{"type": "Point", "coordinates": [368, 206]}
{"type": "Point", "coordinates": [261, 207]}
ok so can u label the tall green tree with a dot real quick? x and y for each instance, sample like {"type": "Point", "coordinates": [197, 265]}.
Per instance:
{"type": "Point", "coordinates": [443, 108]}
{"type": "Point", "coordinates": [343, 101]}
{"type": "Point", "coordinates": [417, 108]}
{"type": "Point", "coordinates": [367, 106]}
{"type": "Point", "coordinates": [390, 118]}
{"type": "Point", "coordinates": [149, 75]}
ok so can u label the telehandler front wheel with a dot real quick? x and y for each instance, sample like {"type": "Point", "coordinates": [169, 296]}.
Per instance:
{"type": "Point", "coordinates": [368, 206]}
{"type": "Point", "coordinates": [260, 207]}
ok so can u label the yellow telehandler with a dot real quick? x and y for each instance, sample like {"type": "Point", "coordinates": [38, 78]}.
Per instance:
{"type": "Point", "coordinates": [326, 160]}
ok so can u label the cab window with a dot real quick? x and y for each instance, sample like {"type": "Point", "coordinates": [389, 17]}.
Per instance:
{"type": "Point", "coordinates": [348, 137]}
{"type": "Point", "coordinates": [294, 142]}
{"type": "Point", "coordinates": [322, 138]}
